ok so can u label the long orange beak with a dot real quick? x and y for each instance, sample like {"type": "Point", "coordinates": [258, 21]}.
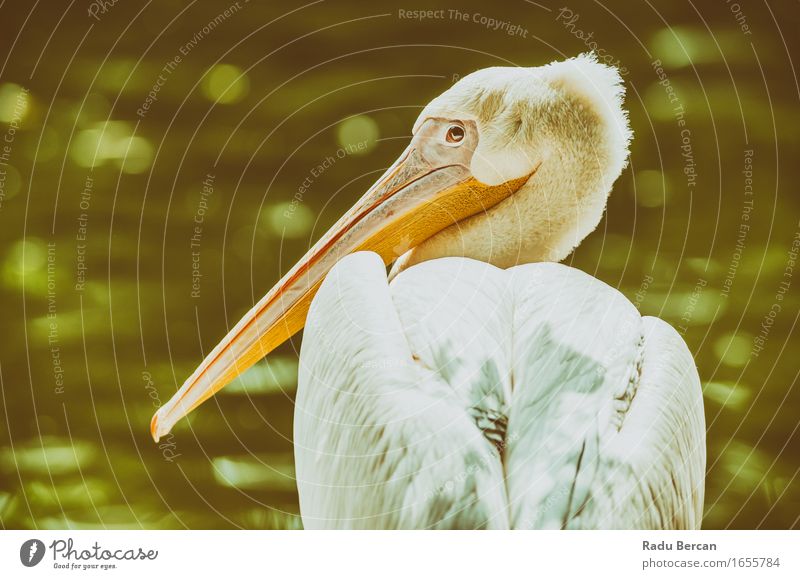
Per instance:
{"type": "Point", "coordinates": [428, 188]}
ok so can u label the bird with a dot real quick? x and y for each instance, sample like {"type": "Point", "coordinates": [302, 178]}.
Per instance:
{"type": "Point", "coordinates": [480, 383]}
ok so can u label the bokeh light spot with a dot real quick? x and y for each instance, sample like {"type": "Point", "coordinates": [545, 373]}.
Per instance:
{"type": "Point", "coordinates": [255, 472]}
{"type": "Point", "coordinates": [48, 455]}
{"type": "Point", "coordinates": [10, 182]}
{"type": "Point", "coordinates": [728, 394]}
{"type": "Point", "coordinates": [226, 84]}
{"type": "Point", "coordinates": [358, 135]}
{"type": "Point", "coordinates": [679, 46]}
{"type": "Point", "coordinates": [288, 220]}
{"type": "Point", "coordinates": [26, 257]}
{"type": "Point", "coordinates": [14, 103]}
{"type": "Point", "coordinates": [135, 154]}
{"type": "Point", "coordinates": [278, 374]}
{"type": "Point", "coordinates": [651, 188]}
{"type": "Point", "coordinates": [112, 141]}
{"type": "Point", "coordinates": [733, 349]}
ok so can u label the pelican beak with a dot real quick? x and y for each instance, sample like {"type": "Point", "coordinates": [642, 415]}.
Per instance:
{"type": "Point", "coordinates": [429, 188]}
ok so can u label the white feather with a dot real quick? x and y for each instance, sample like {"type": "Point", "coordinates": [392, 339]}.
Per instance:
{"type": "Point", "coordinates": [466, 396]}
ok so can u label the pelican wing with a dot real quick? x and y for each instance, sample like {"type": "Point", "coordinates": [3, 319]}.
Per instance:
{"type": "Point", "coordinates": [651, 472]}
{"type": "Point", "coordinates": [465, 396]}
{"type": "Point", "coordinates": [381, 439]}
{"type": "Point", "coordinates": [606, 426]}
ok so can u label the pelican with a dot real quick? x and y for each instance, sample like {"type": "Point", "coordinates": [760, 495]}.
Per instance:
{"type": "Point", "coordinates": [480, 384]}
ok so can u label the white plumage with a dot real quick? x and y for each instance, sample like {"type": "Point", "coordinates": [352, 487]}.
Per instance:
{"type": "Point", "coordinates": [465, 396]}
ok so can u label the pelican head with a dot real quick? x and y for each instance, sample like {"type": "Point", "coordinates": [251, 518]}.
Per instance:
{"type": "Point", "coordinates": [510, 165]}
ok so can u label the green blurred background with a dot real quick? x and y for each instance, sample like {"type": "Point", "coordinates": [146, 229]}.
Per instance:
{"type": "Point", "coordinates": [97, 332]}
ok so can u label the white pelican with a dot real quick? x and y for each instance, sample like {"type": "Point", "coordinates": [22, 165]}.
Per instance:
{"type": "Point", "coordinates": [470, 391]}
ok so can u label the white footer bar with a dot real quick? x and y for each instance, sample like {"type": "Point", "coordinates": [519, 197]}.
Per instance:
{"type": "Point", "coordinates": [403, 554]}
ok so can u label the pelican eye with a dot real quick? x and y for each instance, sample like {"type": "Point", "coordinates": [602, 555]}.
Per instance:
{"type": "Point", "coordinates": [455, 134]}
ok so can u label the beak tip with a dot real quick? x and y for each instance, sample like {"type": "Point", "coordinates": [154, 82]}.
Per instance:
{"type": "Point", "coordinates": [154, 427]}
